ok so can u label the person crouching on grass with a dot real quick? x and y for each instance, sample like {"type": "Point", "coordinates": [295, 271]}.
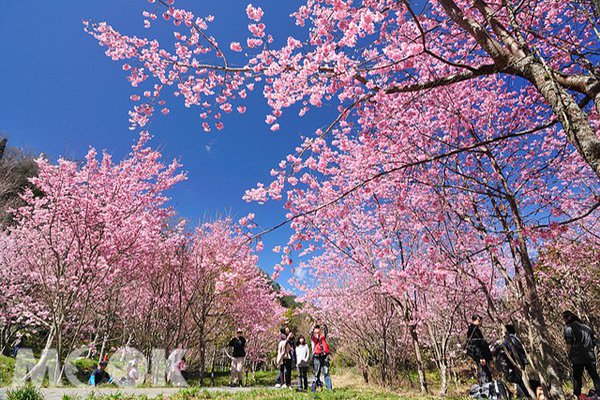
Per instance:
{"type": "Point", "coordinates": [100, 376]}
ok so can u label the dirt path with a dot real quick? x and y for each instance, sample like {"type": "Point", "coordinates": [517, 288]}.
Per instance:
{"type": "Point", "coordinates": [83, 392]}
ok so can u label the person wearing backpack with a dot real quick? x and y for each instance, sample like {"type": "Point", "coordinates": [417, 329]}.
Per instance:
{"type": "Point", "coordinates": [479, 350]}
{"type": "Point", "coordinates": [511, 359]}
{"type": "Point", "coordinates": [320, 357]}
{"type": "Point", "coordinates": [580, 341]}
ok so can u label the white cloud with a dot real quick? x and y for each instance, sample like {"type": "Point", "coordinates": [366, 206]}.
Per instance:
{"type": "Point", "coordinates": [300, 273]}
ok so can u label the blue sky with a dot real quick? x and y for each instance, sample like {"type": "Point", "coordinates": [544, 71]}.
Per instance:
{"type": "Point", "coordinates": [59, 94]}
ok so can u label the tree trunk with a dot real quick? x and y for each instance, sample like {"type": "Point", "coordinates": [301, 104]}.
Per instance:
{"type": "Point", "coordinates": [512, 57]}
{"type": "Point", "coordinates": [41, 364]}
{"type": "Point", "coordinates": [384, 360]}
{"type": "Point", "coordinates": [572, 118]}
{"type": "Point", "coordinates": [546, 362]}
{"type": "Point", "coordinates": [202, 366]}
{"type": "Point", "coordinates": [544, 359]}
{"type": "Point", "coordinates": [444, 378]}
{"type": "Point", "coordinates": [419, 356]}
{"type": "Point", "coordinates": [103, 348]}
{"type": "Point", "coordinates": [213, 362]}
{"type": "Point", "coordinates": [92, 346]}
{"type": "Point", "coordinates": [4, 339]}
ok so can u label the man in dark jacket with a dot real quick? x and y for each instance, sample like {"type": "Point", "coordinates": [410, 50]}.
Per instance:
{"type": "Point", "coordinates": [237, 360]}
{"type": "Point", "coordinates": [291, 361]}
{"type": "Point", "coordinates": [511, 359]}
{"type": "Point", "coordinates": [580, 342]}
{"type": "Point", "coordinates": [479, 350]}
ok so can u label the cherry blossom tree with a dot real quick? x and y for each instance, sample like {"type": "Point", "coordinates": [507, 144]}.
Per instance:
{"type": "Point", "coordinates": [92, 223]}
{"type": "Point", "coordinates": [225, 288]}
{"type": "Point", "coordinates": [481, 211]}
{"type": "Point", "coordinates": [376, 52]}
{"type": "Point", "coordinates": [196, 290]}
{"type": "Point", "coordinates": [97, 256]}
{"type": "Point", "coordinates": [466, 137]}
{"type": "Point", "coordinates": [20, 310]}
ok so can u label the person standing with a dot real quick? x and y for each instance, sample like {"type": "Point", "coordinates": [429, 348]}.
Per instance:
{"type": "Point", "coordinates": [320, 357]}
{"type": "Point", "coordinates": [479, 350]}
{"type": "Point", "coordinates": [291, 360]}
{"type": "Point", "coordinates": [504, 363]}
{"type": "Point", "coordinates": [517, 358]}
{"type": "Point", "coordinates": [237, 360]}
{"type": "Point", "coordinates": [283, 332]}
{"type": "Point", "coordinates": [302, 355]}
{"type": "Point", "coordinates": [284, 362]}
{"type": "Point", "coordinates": [580, 341]}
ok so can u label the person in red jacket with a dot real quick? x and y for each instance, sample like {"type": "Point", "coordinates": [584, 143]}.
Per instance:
{"type": "Point", "coordinates": [320, 357]}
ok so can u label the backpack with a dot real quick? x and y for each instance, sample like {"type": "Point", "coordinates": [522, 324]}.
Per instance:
{"type": "Point", "coordinates": [495, 390]}
{"type": "Point", "coordinates": [517, 347]}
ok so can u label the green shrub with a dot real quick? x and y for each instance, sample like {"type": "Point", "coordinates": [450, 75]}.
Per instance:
{"type": "Point", "coordinates": [84, 368]}
{"type": "Point", "coordinates": [7, 366]}
{"type": "Point", "coordinates": [26, 392]}
{"type": "Point", "coordinates": [85, 364]}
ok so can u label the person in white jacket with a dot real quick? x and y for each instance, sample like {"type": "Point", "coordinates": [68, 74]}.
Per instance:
{"type": "Point", "coordinates": [283, 362]}
{"type": "Point", "coordinates": [302, 356]}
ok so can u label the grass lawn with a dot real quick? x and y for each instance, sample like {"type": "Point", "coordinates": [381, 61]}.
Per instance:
{"type": "Point", "coordinates": [31, 393]}
{"type": "Point", "coordinates": [266, 394]}
{"type": "Point", "coordinates": [347, 384]}
{"type": "Point", "coordinates": [221, 378]}
{"type": "Point", "coordinates": [285, 394]}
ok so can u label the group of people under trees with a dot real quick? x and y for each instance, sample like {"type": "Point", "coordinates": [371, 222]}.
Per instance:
{"type": "Point", "coordinates": [292, 352]}
{"type": "Point", "coordinates": [131, 378]}
{"type": "Point", "coordinates": [510, 358]}
{"type": "Point", "coordinates": [508, 355]}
